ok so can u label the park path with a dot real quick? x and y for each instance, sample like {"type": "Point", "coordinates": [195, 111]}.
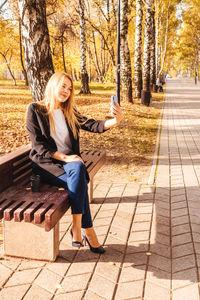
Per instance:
{"type": "Point", "coordinates": [151, 231]}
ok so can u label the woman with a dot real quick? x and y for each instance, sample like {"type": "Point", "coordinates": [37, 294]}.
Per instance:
{"type": "Point", "coordinates": [53, 125]}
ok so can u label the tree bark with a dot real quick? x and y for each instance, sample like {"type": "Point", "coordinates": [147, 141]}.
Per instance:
{"type": "Point", "coordinates": [21, 55]}
{"type": "Point", "coordinates": [8, 65]}
{"type": "Point", "coordinates": [84, 76]}
{"type": "Point", "coordinates": [35, 34]}
{"type": "Point", "coordinates": [153, 54]}
{"type": "Point", "coordinates": [147, 45]}
{"type": "Point", "coordinates": [166, 39]}
{"type": "Point", "coordinates": [63, 52]}
{"type": "Point", "coordinates": [138, 50]}
{"type": "Point", "coordinates": [126, 73]}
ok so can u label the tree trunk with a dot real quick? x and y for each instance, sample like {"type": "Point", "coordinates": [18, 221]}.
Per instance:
{"type": "Point", "coordinates": [138, 50]}
{"type": "Point", "coordinates": [36, 42]}
{"type": "Point", "coordinates": [21, 55]}
{"type": "Point", "coordinates": [126, 73]}
{"type": "Point", "coordinates": [147, 45]}
{"type": "Point", "coordinates": [166, 40]}
{"type": "Point", "coordinates": [63, 52]}
{"type": "Point", "coordinates": [84, 76]}
{"type": "Point", "coordinates": [8, 65]}
{"type": "Point", "coordinates": [153, 54]}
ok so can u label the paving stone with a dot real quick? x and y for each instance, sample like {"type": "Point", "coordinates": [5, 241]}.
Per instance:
{"type": "Point", "coordinates": [162, 212]}
{"type": "Point", "coordinates": [181, 239]}
{"type": "Point", "coordinates": [135, 247]}
{"type": "Point", "coordinates": [48, 280]}
{"type": "Point", "coordinates": [132, 273]}
{"type": "Point", "coordinates": [70, 296]}
{"type": "Point", "coordinates": [111, 255]}
{"type": "Point", "coordinates": [135, 259]}
{"type": "Point", "coordinates": [195, 228]}
{"type": "Point", "coordinates": [196, 237]}
{"type": "Point", "coordinates": [30, 264]}
{"type": "Point", "coordinates": [183, 263]}
{"type": "Point", "coordinates": [162, 220]}
{"type": "Point", "coordinates": [162, 239]}
{"type": "Point", "coordinates": [108, 270]}
{"type": "Point", "coordinates": [36, 292]}
{"type": "Point", "coordinates": [142, 218]}
{"type": "Point", "coordinates": [162, 204]}
{"type": "Point", "coordinates": [180, 220]}
{"type": "Point", "coordinates": [139, 236]}
{"type": "Point", "coordinates": [129, 290]}
{"type": "Point", "coordinates": [11, 263]}
{"type": "Point", "coordinates": [91, 296]}
{"type": "Point", "coordinates": [22, 277]}
{"type": "Point", "coordinates": [160, 262]}
{"type": "Point", "coordinates": [81, 267]}
{"type": "Point", "coordinates": [178, 205]}
{"type": "Point", "coordinates": [178, 198]}
{"type": "Point", "coordinates": [14, 292]}
{"type": "Point", "coordinates": [158, 277]}
{"type": "Point", "coordinates": [5, 273]}
{"type": "Point", "coordinates": [182, 250]}
{"type": "Point", "coordinates": [179, 212]}
{"type": "Point", "coordinates": [163, 229]}
{"type": "Point", "coordinates": [102, 286]}
{"type": "Point", "coordinates": [160, 248]}
{"type": "Point", "coordinates": [190, 292]}
{"type": "Point", "coordinates": [176, 230]}
{"type": "Point", "coordinates": [154, 292]}
{"type": "Point", "coordinates": [74, 283]}
{"type": "Point", "coordinates": [60, 266]}
{"type": "Point", "coordinates": [183, 278]}
{"type": "Point", "coordinates": [140, 226]}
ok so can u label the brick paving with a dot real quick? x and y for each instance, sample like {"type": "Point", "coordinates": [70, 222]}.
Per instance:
{"type": "Point", "coordinates": [151, 231]}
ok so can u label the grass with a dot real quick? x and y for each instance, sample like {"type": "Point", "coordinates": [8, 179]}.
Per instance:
{"type": "Point", "coordinates": [131, 144]}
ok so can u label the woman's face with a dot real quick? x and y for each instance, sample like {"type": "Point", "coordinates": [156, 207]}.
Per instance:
{"type": "Point", "coordinates": [64, 90]}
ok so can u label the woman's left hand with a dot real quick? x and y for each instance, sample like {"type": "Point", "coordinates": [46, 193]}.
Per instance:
{"type": "Point", "coordinates": [116, 112]}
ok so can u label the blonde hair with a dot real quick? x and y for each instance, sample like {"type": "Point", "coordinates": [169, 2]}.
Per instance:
{"type": "Point", "coordinates": [67, 107]}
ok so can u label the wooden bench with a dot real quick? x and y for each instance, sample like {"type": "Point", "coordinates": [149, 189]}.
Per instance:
{"type": "Point", "coordinates": [31, 220]}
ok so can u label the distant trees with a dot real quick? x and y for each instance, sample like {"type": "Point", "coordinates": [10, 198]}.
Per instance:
{"type": "Point", "coordinates": [81, 39]}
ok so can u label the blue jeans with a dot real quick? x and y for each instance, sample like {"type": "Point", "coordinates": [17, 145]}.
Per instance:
{"type": "Point", "coordinates": [74, 179]}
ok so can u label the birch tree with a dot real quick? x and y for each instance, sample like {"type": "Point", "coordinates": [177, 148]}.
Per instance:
{"type": "Point", "coordinates": [153, 53]}
{"type": "Point", "coordinates": [147, 45]}
{"type": "Point", "coordinates": [138, 50]}
{"type": "Point", "coordinates": [84, 75]}
{"type": "Point", "coordinates": [126, 73]}
{"type": "Point", "coordinates": [35, 34]}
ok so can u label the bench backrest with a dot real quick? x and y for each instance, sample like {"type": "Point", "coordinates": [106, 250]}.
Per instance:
{"type": "Point", "coordinates": [15, 167]}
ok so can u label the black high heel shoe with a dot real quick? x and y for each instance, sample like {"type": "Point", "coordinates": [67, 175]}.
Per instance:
{"type": "Point", "coordinates": [75, 243]}
{"type": "Point", "coordinates": [99, 249]}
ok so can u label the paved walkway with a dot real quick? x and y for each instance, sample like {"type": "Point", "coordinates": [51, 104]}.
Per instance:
{"type": "Point", "coordinates": [151, 232]}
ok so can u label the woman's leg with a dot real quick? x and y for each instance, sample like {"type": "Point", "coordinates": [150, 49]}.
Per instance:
{"type": "Point", "coordinates": [76, 182]}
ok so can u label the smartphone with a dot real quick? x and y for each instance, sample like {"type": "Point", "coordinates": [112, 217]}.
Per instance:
{"type": "Point", "coordinates": [114, 99]}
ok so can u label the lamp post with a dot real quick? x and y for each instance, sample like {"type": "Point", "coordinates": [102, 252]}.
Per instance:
{"type": "Point", "coordinates": [118, 53]}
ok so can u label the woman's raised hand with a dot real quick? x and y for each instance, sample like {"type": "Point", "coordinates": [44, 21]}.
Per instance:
{"type": "Point", "coordinates": [116, 112]}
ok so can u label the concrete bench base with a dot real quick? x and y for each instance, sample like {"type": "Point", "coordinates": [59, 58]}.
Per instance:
{"type": "Point", "coordinates": [28, 240]}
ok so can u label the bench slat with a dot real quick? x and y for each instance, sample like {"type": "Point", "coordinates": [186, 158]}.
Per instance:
{"type": "Point", "coordinates": [56, 212]}
{"type": "Point", "coordinates": [18, 213]}
{"type": "Point", "coordinates": [4, 205]}
{"type": "Point", "coordinates": [39, 215]}
{"type": "Point", "coordinates": [29, 212]}
{"type": "Point", "coordinates": [8, 212]}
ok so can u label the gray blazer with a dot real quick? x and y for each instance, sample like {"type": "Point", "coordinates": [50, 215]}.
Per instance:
{"type": "Point", "coordinates": [43, 145]}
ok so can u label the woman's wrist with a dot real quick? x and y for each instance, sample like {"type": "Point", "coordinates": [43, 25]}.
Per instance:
{"type": "Point", "coordinates": [110, 123]}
